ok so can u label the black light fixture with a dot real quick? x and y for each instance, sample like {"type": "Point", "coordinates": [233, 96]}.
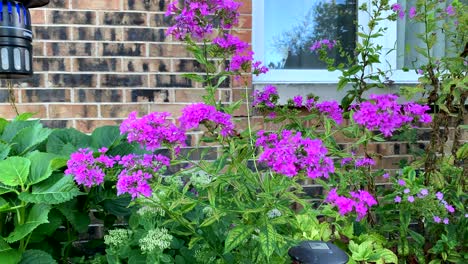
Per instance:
{"type": "Point", "coordinates": [16, 38]}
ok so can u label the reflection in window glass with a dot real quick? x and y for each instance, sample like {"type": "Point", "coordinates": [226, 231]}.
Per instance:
{"type": "Point", "coordinates": [292, 26]}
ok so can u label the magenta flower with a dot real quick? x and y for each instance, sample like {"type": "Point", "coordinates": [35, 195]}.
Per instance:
{"type": "Point", "coordinates": [437, 219]}
{"type": "Point", "coordinates": [412, 12]}
{"type": "Point", "coordinates": [360, 202]}
{"type": "Point", "coordinates": [321, 43]}
{"type": "Point", "coordinates": [363, 162]}
{"type": "Point", "coordinates": [152, 131]}
{"type": "Point", "coordinates": [406, 190]}
{"type": "Point", "coordinates": [135, 183]}
{"type": "Point", "coordinates": [450, 208]}
{"type": "Point", "coordinates": [411, 199]}
{"type": "Point", "coordinates": [398, 9]}
{"type": "Point", "coordinates": [331, 109]}
{"type": "Point", "coordinates": [401, 182]}
{"type": "Point", "coordinates": [288, 153]}
{"type": "Point", "coordinates": [439, 196]}
{"type": "Point", "coordinates": [258, 68]}
{"type": "Point", "coordinates": [195, 114]}
{"type": "Point", "coordinates": [450, 10]}
{"type": "Point", "coordinates": [446, 221]}
{"type": "Point", "coordinates": [424, 192]}
{"type": "Point", "coordinates": [420, 72]}
{"type": "Point", "coordinates": [268, 97]}
{"type": "Point", "coordinates": [397, 199]}
{"type": "Point", "coordinates": [386, 175]}
{"type": "Point", "coordinates": [85, 168]}
{"type": "Point", "coordinates": [297, 100]}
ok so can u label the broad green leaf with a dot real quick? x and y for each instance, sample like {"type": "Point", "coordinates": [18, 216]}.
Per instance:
{"type": "Point", "coordinates": [44, 230]}
{"type": "Point", "coordinates": [35, 256]}
{"type": "Point", "coordinates": [7, 254]}
{"type": "Point", "coordinates": [66, 141]}
{"type": "Point", "coordinates": [4, 150]}
{"type": "Point", "coordinates": [4, 205]}
{"type": "Point", "coordinates": [237, 236]}
{"type": "Point", "coordinates": [77, 218]}
{"type": "Point", "coordinates": [364, 250]}
{"type": "Point", "coordinates": [6, 189]}
{"type": "Point", "coordinates": [14, 171]}
{"type": "Point", "coordinates": [37, 215]}
{"type": "Point", "coordinates": [417, 237]}
{"type": "Point", "coordinates": [57, 189]}
{"type": "Point", "coordinates": [14, 127]}
{"type": "Point", "coordinates": [28, 138]}
{"type": "Point", "coordinates": [105, 136]}
{"type": "Point", "coordinates": [267, 238]}
{"type": "Point", "coordinates": [42, 166]}
{"type": "Point", "coordinates": [24, 116]}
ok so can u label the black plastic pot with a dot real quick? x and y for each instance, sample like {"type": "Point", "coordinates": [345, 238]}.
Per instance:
{"type": "Point", "coordinates": [317, 252]}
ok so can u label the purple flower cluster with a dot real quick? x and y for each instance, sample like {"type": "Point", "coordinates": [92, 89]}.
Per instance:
{"type": "Point", "coordinates": [332, 109]}
{"type": "Point", "coordinates": [197, 18]}
{"type": "Point", "coordinates": [136, 173]}
{"type": "Point", "coordinates": [267, 97]}
{"type": "Point", "coordinates": [152, 130]}
{"type": "Point", "coordinates": [324, 42]}
{"type": "Point", "coordinates": [86, 169]}
{"type": "Point", "coordinates": [242, 55]}
{"type": "Point", "coordinates": [289, 153]}
{"type": "Point", "coordinates": [382, 112]}
{"type": "Point", "coordinates": [398, 9]}
{"type": "Point", "coordinates": [364, 162]}
{"type": "Point", "coordinates": [195, 114]}
{"type": "Point", "coordinates": [359, 201]}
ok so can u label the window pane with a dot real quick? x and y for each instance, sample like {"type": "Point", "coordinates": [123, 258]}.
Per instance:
{"type": "Point", "coordinates": [292, 26]}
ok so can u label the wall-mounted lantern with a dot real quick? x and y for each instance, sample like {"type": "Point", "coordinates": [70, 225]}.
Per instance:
{"type": "Point", "coordinates": [16, 38]}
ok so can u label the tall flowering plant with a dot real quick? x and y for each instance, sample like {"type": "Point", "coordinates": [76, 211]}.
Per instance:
{"type": "Point", "coordinates": [236, 196]}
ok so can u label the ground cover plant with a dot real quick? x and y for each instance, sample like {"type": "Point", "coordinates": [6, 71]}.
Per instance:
{"type": "Point", "coordinates": [236, 196]}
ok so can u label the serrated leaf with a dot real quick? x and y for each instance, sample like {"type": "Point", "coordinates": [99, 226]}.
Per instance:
{"type": "Point", "coordinates": [6, 189]}
{"type": "Point", "coordinates": [4, 150]}
{"type": "Point", "coordinates": [35, 256]}
{"type": "Point", "coordinates": [14, 171]}
{"type": "Point", "coordinates": [78, 219]}
{"type": "Point", "coordinates": [28, 138]}
{"type": "Point", "coordinates": [42, 166]}
{"type": "Point", "coordinates": [267, 238]}
{"type": "Point", "coordinates": [105, 136]}
{"type": "Point", "coordinates": [66, 141]}
{"type": "Point", "coordinates": [37, 215]}
{"type": "Point", "coordinates": [14, 127]}
{"type": "Point", "coordinates": [385, 256]}
{"type": "Point", "coordinates": [237, 236]}
{"type": "Point", "coordinates": [57, 189]}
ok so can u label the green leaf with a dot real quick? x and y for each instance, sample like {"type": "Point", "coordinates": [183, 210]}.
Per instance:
{"type": "Point", "coordinates": [28, 138]}
{"type": "Point", "coordinates": [105, 136]}
{"type": "Point", "coordinates": [57, 189]}
{"type": "Point", "coordinates": [13, 128]}
{"type": "Point", "coordinates": [417, 237]}
{"type": "Point", "coordinates": [14, 171]}
{"type": "Point", "coordinates": [42, 166]}
{"type": "Point", "coordinates": [24, 116]}
{"type": "Point", "coordinates": [6, 189]}
{"type": "Point", "coordinates": [237, 236]}
{"type": "Point", "coordinates": [4, 150]}
{"type": "Point", "coordinates": [37, 215]}
{"type": "Point", "coordinates": [3, 124]}
{"type": "Point", "coordinates": [342, 83]}
{"type": "Point", "coordinates": [66, 141]}
{"type": "Point", "coordinates": [35, 256]}
{"type": "Point", "coordinates": [4, 205]}
{"type": "Point", "coordinates": [267, 238]}
{"type": "Point", "coordinates": [78, 219]}
{"type": "Point", "coordinates": [385, 256]}
{"type": "Point", "coordinates": [7, 254]}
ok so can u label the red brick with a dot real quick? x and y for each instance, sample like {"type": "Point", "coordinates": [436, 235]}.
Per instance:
{"type": "Point", "coordinates": [72, 111]}
{"type": "Point", "coordinates": [6, 110]}
{"type": "Point", "coordinates": [122, 110]}
{"type": "Point", "coordinates": [97, 4]}
{"type": "Point", "coordinates": [88, 126]}
{"type": "Point", "coordinates": [189, 95]}
{"type": "Point", "coordinates": [38, 16]}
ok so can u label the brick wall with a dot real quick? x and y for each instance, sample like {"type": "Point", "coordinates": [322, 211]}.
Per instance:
{"type": "Point", "coordinates": [95, 61]}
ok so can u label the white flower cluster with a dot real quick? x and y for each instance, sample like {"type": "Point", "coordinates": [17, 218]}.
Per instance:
{"type": "Point", "coordinates": [157, 238]}
{"type": "Point", "coordinates": [150, 211]}
{"type": "Point", "coordinates": [174, 180]}
{"type": "Point", "coordinates": [117, 237]}
{"type": "Point", "coordinates": [273, 213]}
{"type": "Point", "coordinates": [208, 211]}
{"type": "Point", "coordinates": [200, 179]}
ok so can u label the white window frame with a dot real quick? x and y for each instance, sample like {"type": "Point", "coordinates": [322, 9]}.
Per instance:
{"type": "Point", "coordinates": [302, 76]}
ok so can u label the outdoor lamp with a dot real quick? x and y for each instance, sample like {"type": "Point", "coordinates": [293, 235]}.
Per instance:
{"type": "Point", "coordinates": [317, 252]}
{"type": "Point", "coordinates": [16, 38]}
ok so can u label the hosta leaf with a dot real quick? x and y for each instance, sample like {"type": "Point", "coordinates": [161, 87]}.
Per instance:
{"type": "Point", "coordinates": [28, 138]}
{"type": "Point", "coordinates": [42, 166]}
{"type": "Point", "coordinates": [57, 189]}
{"type": "Point", "coordinates": [37, 215]}
{"type": "Point", "coordinates": [14, 171]}
{"type": "Point", "coordinates": [35, 256]}
{"type": "Point", "coordinates": [267, 238]}
{"type": "Point", "coordinates": [236, 236]}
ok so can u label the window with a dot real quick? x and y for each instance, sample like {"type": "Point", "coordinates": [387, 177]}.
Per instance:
{"type": "Point", "coordinates": [285, 30]}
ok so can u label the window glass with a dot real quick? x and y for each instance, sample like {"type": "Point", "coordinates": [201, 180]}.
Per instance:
{"type": "Point", "coordinates": [292, 26]}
